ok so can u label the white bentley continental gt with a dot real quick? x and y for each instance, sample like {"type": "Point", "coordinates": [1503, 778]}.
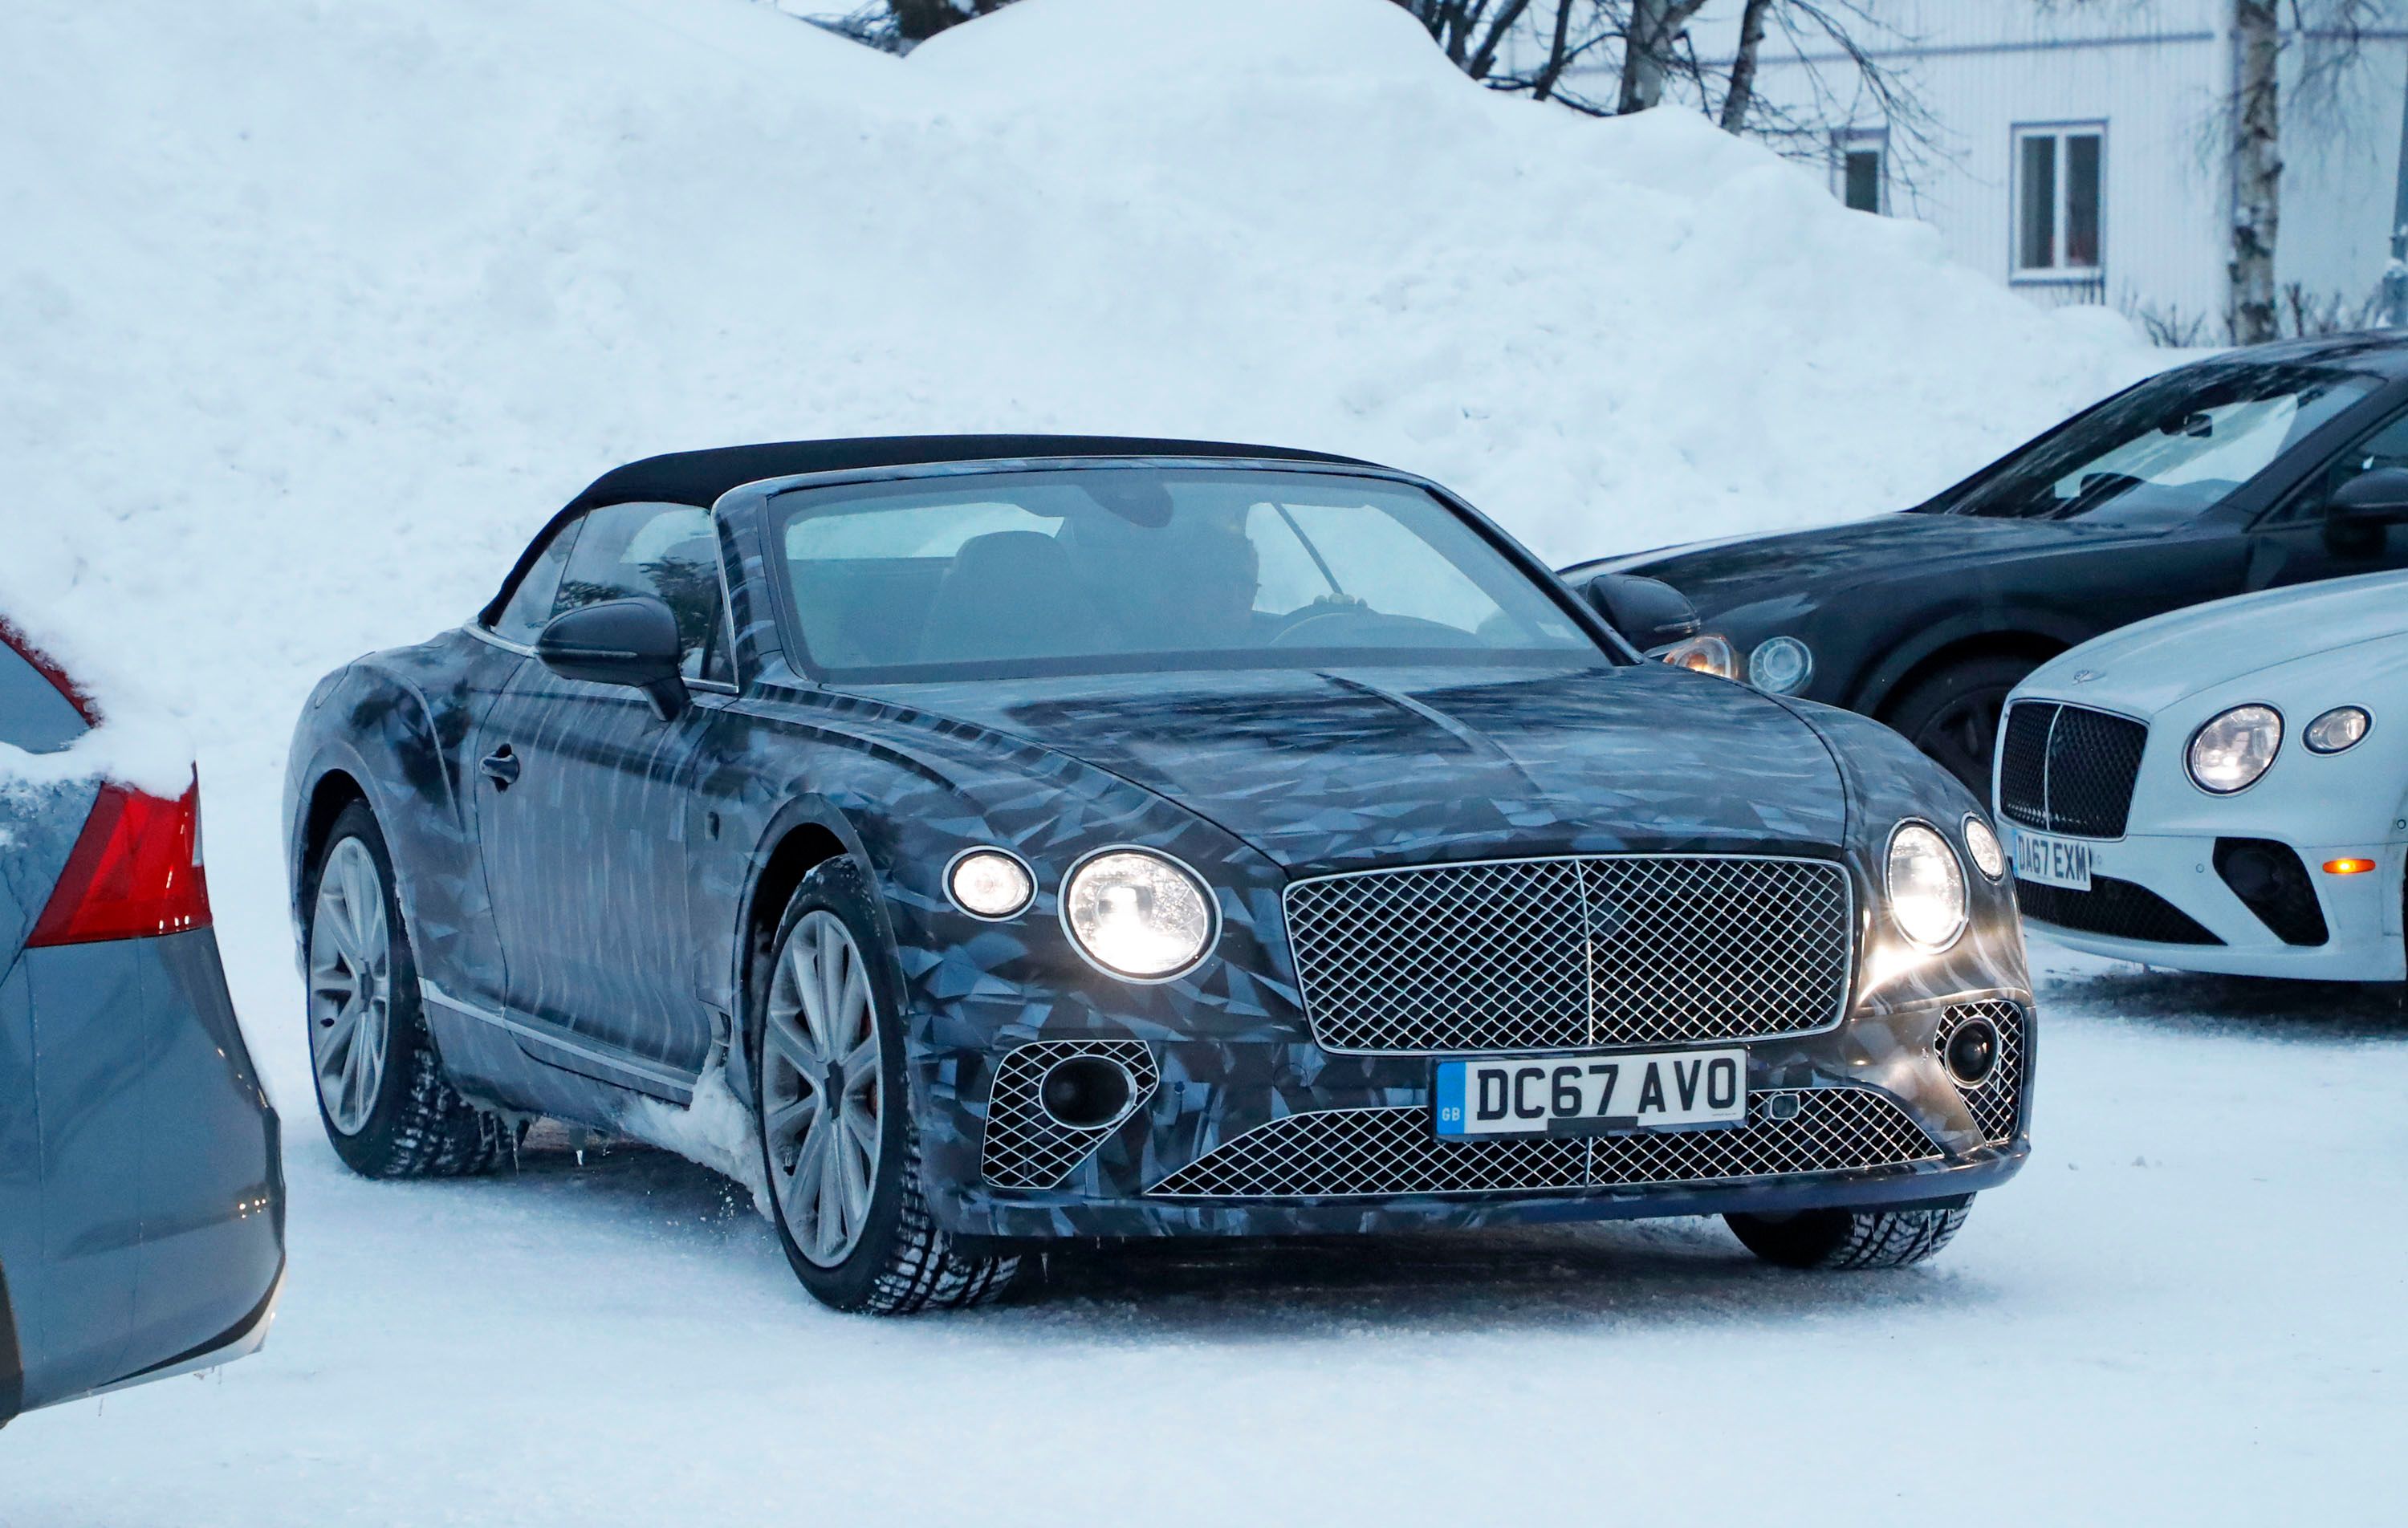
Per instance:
{"type": "Point", "coordinates": [2223, 789]}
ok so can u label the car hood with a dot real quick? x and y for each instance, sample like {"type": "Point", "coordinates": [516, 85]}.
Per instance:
{"type": "Point", "coordinates": [1398, 765]}
{"type": "Point", "coordinates": [1718, 576]}
{"type": "Point", "coordinates": [2151, 665]}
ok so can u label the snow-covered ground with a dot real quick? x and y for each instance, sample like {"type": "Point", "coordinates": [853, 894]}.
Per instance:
{"type": "Point", "coordinates": [2185, 1311]}
{"type": "Point", "coordinates": [310, 311]}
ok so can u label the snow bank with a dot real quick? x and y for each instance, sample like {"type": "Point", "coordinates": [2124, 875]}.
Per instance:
{"type": "Point", "coordinates": [314, 311]}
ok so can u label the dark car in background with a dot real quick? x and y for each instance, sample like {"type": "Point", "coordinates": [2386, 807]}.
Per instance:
{"type": "Point", "coordinates": [2275, 466]}
{"type": "Point", "coordinates": [141, 1185]}
{"type": "Point", "coordinates": [1079, 837]}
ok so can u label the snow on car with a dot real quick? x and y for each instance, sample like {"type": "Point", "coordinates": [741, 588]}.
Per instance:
{"type": "Point", "coordinates": [141, 1186]}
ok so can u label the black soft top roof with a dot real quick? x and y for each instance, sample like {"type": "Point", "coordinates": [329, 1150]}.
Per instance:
{"type": "Point", "coordinates": [699, 478]}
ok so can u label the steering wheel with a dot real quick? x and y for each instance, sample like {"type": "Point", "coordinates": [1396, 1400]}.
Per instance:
{"type": "Point", "coordinates": [1391, 631]}
{"type": "Point", "coordinates": [2097, 488]}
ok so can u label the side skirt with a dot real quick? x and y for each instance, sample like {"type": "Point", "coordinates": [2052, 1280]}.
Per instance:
{"type": "Point", "coordinates": [557, 1048]}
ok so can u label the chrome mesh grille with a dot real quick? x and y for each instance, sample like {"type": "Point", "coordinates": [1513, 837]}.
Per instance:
{"type": "Point", "coordinates": [1554, 954]}
{"type": "Point", "coordinates": [2069, 769]}
{"type": "Point", "coordinates": [1027, 1147]}
{"type": "Point", "coordinates": [1998, 1102]}
{"type": "Point", "coordinates": [1339, 1153]}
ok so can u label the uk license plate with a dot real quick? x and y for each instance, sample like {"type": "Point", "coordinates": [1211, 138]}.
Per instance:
{"type": "Point", "coordinates": [2051, 861]}
{"type": "Point", "coordinates": [1593, 1095]}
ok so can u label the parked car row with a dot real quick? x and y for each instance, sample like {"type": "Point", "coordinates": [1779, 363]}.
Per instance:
{"type": "Point", "coordinates": [2259, 469]}
{"type": "Point", "coordinates": [1062, 837]}
{"type": "Point", "coordinates": [2212, 788]}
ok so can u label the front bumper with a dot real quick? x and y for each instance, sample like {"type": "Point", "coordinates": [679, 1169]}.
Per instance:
{"type": "Point", "coordinates": [1206, 1149]}
{"type": "Point", "coordinates": [2362, 912]}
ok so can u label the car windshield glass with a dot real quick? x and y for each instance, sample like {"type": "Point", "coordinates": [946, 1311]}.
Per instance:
{"type": "Point", "coordinates": [1120, 569]}
{"type": "Point", "coordinates": [2165, 452]}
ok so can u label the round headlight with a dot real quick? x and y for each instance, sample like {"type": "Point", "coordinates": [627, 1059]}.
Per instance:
{"type": "Point", "coordinates": [990, 883]}
{"type": "Point", "coordinates": [2341, 728]}
{"type": "Point", "coordinates": [2232, 751]}
{"type": "Point", "coordinates": [1987, 856]}
{"type": "Point", "coordinates": [1707, 655]}
{"type": "Point", "coordinates": [1926, 886]}
{"type": "Point", "coordinates": [1138, 914]}
{"type": "Point", "coordinates": [1780, 665]}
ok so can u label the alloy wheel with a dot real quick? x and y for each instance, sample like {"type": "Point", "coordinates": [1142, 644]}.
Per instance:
{"type": "Point", "coordinates": [351, 996]}
{"type": "Point", "coordinates": [822, 1089]}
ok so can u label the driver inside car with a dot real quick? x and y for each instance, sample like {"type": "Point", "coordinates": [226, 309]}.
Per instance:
{"type": "Point", "coordinates": [1186, 585]}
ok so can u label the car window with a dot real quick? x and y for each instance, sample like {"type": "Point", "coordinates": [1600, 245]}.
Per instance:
{"type": "Point", "coordinates": [34, 715]}
{"type": "Point", "coordinates": [532, 603]}
{"type": "Point", "coordinates": [718, 652]}
{"type": "Point", "coordinates": [667, 550]}
{"type": "Point", "coordinates": [2385, 447]}
{"type": "Point", "coordinates": [1141, 567]}
{"type": "Point", "coordinates": [2166, 451]}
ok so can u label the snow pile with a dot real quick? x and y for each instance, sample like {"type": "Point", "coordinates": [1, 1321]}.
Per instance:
{"type": "Point", "coordinates": [314, 311]}
{"type": "Point", "coordinates": [138, 741]}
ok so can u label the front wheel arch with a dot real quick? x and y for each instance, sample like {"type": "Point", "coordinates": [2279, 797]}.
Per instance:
{"type": "Point", "coordinates": [1892, 680]}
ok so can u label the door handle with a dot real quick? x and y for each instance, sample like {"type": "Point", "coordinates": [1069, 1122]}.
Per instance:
{"type": "Point", "coordinates": [500, 767]}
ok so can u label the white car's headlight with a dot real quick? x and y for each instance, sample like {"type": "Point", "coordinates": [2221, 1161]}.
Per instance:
{"type": "Point", "coordinates": [1926, 886]}
{"type": "Point", "coordinates": [2339, 730]}
{"type": "Point", "coordinates": [1987, 856]}
{"type": "Point", "coordinates": [1138, 914]}
{"type": "Point", "coordinates": [1781, 665]}
{"type": "Point", "coordinates": [2234, 749]}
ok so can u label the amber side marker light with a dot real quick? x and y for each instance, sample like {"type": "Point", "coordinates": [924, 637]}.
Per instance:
{"type": "Point", "coordinates": [2348, 867]}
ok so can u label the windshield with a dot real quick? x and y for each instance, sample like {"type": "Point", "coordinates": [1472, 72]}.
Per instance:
{"type": "Point", "coordinates": [1131, 569]}
{"type": "Point", "coordinates": [2165, 452]}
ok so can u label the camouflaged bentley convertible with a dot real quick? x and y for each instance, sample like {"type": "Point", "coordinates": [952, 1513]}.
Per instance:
{"type": "Point", "coordinates": [1064, 836]}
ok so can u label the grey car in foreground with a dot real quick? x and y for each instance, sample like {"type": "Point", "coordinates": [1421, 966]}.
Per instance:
{"type": "Point", "coordinates": [141, 1184]}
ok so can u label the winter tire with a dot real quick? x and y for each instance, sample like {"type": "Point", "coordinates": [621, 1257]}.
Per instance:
{"type": "Point", "coordinates": [1952, 716]}
{"type": "Point", "coordinates": [1849, 1238]}
{"type": "Point", "coordinates": [839, 1151]}
{"type": "Point", "coordinates": [387, 1104]}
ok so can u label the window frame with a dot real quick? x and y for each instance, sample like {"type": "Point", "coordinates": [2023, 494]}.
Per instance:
{"type": "Point", "coordinates": [2061, 134]}
{"type": "Point", "coordinates": [2305, 501]}
{"type": "Point", "coordinates": [488, 620]}
{"type": "Point", "coordinates": [764, 519]}
{"type": "Point", "coordinates": [570, 525]}
{"type": "Point", "coordinates": [1853, 140]}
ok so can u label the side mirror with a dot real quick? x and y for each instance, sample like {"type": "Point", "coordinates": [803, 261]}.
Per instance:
{"type": "Point", "coordinates": [1649, 613]}
{"type": "Point", "coordinates": [632, 642]}
{"type": "Point", "coordinates": [2371, 498]}
{"type": "Point", "coordinates": [1659, 621]}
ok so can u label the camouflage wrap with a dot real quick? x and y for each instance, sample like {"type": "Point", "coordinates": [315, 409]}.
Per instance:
{"type": "Point", "coordinates": [1252, 778]}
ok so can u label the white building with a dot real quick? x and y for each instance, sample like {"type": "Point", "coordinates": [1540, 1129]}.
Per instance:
{"type": "Point", "coordinates": [2084, 154]}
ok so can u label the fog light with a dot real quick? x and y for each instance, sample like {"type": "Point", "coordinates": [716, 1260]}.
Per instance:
{"type": "Point", "coordinates": [1973, 1053]}
{"type": "Point", "coordinates": [1086, 1093]}
{"type": "Point", "coordinates": [990, 883]}
{"type": "Point", "coordinates": [2349, 866]}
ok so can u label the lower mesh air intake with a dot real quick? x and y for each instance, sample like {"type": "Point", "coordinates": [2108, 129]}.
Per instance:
{"type": "Point", "coordinates": [1027, 1147]}
{"type": "Point", "coordinates": [1390, 1151]}
{"type": "Point", "coordinates": [1996, 1103]}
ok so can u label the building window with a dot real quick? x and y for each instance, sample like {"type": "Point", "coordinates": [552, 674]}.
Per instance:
{"type": "Point", "coordinates": [2059, 195]}
{"type": "Point", "coordinates": [1860, 168]}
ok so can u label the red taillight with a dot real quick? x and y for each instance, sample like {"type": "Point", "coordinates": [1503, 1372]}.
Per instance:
{"type": "Point", "coordinates": [134, 872]}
